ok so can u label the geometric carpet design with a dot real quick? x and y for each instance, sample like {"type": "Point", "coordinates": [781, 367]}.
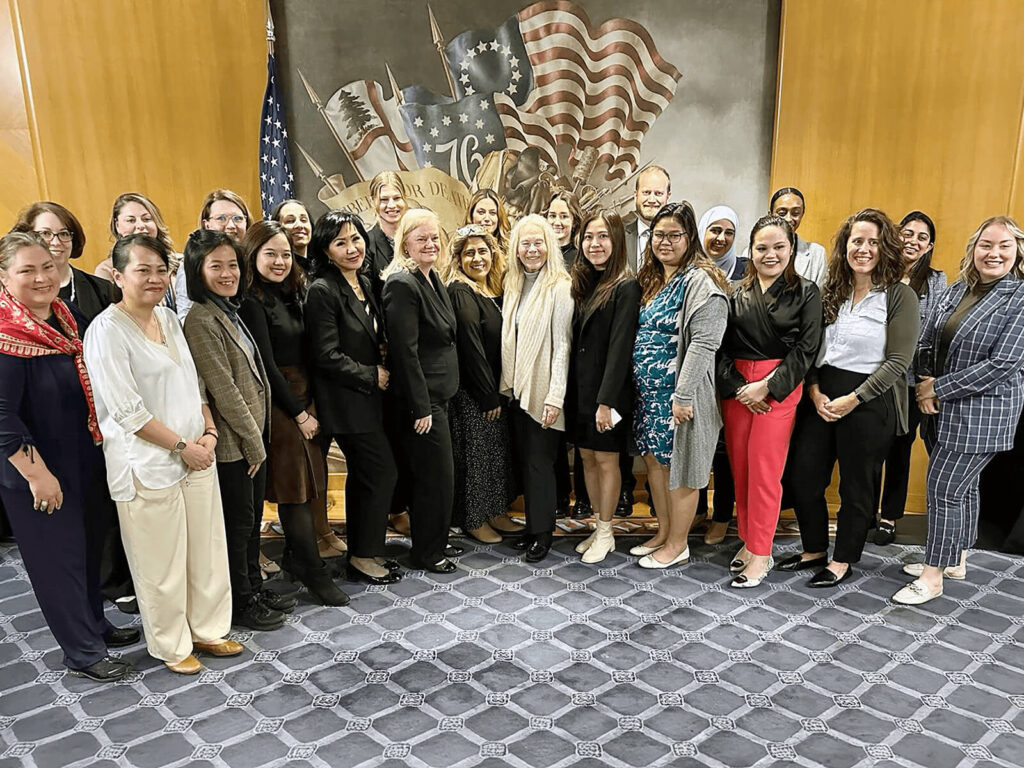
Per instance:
{"type": "Point", "coordinates": [559, 664]}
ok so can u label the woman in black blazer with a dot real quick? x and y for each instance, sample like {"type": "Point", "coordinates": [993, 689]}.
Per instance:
{"type": "Point", "coordinates": [421, 328]}
{"type": "Point", "coordinates": [388, 194]}
{"type": "Point", "coordinates": [346, 331]}
{"type": "Point", "coordinates": [600, 394]}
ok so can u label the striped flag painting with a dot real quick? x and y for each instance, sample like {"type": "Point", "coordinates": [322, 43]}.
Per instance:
{"type": "Point", "coordinates": [370, 127]}
{"type": "Point", "coordinates": [600, 88]}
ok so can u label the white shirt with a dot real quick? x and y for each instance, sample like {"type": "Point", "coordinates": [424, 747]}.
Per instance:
{"type": "Point", "coordinates": [856, 340]}
{"type": "Point", "coordinates": [643, 236]}
{"type": "Point", "coordinates": [810, 261]}
{"type": "Point", "coordinates": [181, 299]}
{"type": "Point", "coordinates": [135, 380]}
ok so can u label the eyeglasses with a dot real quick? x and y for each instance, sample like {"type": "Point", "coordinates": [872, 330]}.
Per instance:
{"type": "Point", "coordinates": [527, 245]}
{"type": "Point", "coordinates": [65, 235]}
{"type": "Point", "coordinates": [672, 237]}
{"type": "Point", "coordinates": [223, 220]}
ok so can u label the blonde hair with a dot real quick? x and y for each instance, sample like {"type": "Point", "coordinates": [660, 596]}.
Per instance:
{"type": "Point", "coordinates": [553, 271]}
{"type": "Point", "coordinates": [413, 218]}
{"type": "Point", "coordinates": [969, 272]}
{"type": "Point", "coordinates": [454, 270]}
{"type": "Point", "coordinates": [385, 179]}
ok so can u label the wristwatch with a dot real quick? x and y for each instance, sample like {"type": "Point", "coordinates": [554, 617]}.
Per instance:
{"type": "Point", "coordinates": [178, 447]}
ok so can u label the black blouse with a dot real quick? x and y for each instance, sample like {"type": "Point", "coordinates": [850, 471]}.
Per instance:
{"type": "Point", "coordinates": [276, 324]}
{"type": "Point", "coordinates": [783, 324]}
{"type": "Point", "coordinates": [91, 294]}
{"type": "Point", "coordinates": [478, 342]}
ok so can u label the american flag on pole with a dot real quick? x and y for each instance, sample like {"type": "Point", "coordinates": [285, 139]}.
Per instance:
{"type": "Point", "coordinates": [276, 178]}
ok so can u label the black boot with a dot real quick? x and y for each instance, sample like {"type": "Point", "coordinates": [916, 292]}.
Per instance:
{"type": "Point", "coordinates": [320, 585]}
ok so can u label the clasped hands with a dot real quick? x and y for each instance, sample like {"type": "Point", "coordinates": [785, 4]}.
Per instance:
{"type": "Point", "coordinates": [833, 410]}
{"type": "Point", "coordinates": [927, 400]}
{"type": "Point", "coordinates": [754, 395]}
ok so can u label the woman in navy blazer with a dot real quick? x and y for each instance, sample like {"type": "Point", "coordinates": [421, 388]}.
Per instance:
{"type": "Point", "coordinates": [421, 329]}
{"type": "Point", "coordinates": [346, 330]}
{"type": "Point", "coordinates": [607, 299]}
{"type": "Point", "coordinates": [969, 362]}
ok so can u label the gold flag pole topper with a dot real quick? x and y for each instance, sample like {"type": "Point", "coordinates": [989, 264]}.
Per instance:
{"type": "Point", "coordinates": [318, 171]}
{"type": "Point", "coordinates": [438, 38]}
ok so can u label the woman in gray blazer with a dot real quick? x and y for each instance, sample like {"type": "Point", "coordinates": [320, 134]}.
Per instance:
{"type": "Point", "coordinates": [969, 362]}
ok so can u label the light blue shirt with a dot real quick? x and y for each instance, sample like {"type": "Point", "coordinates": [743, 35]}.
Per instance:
{"type": "Point", "coordinates": [856, 340]}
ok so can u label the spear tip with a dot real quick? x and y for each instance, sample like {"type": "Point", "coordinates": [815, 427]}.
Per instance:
{"type": "Point", "coordinates": [435, 30]}
{"type": "Point", "coordinates": [395, 90]}
{"type": "Point", "coordinates": [309, 90]}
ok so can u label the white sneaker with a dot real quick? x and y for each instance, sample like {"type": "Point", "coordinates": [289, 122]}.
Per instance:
{"type": "Point", "coordinates": [640, 550]}
{"type": "Point", "coordinates": [955, 572]}
{"type": "Point", "coordinates": [604, 542]}
{"type": "Point", "coordinates": [915, 593]}
{"type": "Point", "coordinates": [650, 562]}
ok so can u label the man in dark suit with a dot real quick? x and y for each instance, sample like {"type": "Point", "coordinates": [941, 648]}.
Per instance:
{"type": "Point", "coordinates": [653, 188]}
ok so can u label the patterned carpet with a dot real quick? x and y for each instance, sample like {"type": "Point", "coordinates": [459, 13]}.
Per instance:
{"type": "Point", "coordinates": [502, 664]}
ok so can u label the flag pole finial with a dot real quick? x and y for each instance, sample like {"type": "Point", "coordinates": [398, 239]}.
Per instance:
{"type": "Point", "coordinates": [395, 90]}
{"type": "Point", "coordinates": [438, 39]}
{"type": "Point", "coordinates": [270, 29]}
{"type": "Point", "coordinates": [317, 170]}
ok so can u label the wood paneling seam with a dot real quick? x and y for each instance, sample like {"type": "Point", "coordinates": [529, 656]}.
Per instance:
{"type": "Point", "coordinates": [30, 107]}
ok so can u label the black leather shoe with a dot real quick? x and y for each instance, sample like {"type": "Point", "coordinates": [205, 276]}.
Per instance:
{"type": "Point", "coordinates": [582, 509]}
{"type": "Point", "coordinates": [255, 615]}
{"type": "Point", "coordinates": [445, 566]}
{"type": "Point", "coordinates": [127, 604]}
{"type": "Point", "coordinates": [625, 506]}
{"type": "Point", "coordinates": [794, 563]}
{"type": "Point", "coordinates": [522, 543]}
{"type": "Point", "coordinates": [106, 670]}
{"type": "Point", "coordinates": [118, 637]}
{"type": "Point", "coordinates": [885, 533]}
{"type": "Point", "coordinates": [827, 578]}
{"type": "Point", "coordinates": [354, 574]}
{"type": "Point", "coordinates": [452, 550]}
{"type": "Point", "coordinates": [539, 548]}
{"type": "Point", "coordinates": [275, 601]}
{"type": "Point", "coordinates": [391, 565]}
{"type": "Point", "coordinates": [563, 508]}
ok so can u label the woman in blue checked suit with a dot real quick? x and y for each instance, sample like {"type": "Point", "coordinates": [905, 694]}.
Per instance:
{"type": "Point", "coordinates": [969, 362]}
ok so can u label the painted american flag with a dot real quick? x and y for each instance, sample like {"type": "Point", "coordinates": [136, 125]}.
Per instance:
{"type": "Point", "coordinates": [275, 164]}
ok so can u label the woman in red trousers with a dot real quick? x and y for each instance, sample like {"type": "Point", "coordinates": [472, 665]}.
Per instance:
{"type": "Point", "coordinates": [774, 331]}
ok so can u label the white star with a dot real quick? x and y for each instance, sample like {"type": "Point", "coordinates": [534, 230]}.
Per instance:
{"type": "Point", "coordinates": [464, 64]}
{"type": "Point", "coordinates": [516, 76]}
{"type": "Point", "coordinates": [507, 50]}
{"type": "Point", "coordinates": [479, 124]}
{"type": "Point", "coordinates": [263, 195]}
{"type": "Point", "coordinates": [426, 147]}
{"type": "Point", "coordinates": [482, 47]}
{"type": "Point", "coordinates": [263, 176]}
{"type": "Point", "coordinates": [489, 138]}
{"type": "Point", "coordinates": [277, 124]}
{"type": "Point", "coordinates": [266, 139]}
{"type": "Point", "coordinates": [434, 132]}
{"type": "Point", "coordinates": [484, 104]}
{"type": "Point", "coordinates": [469, 90]}
{"type": "Point", "coordinates": [495, 45]}
{"type": "Point", "coordinates": [428, 164]}
{"type": "Point", "coordinates": [290, 177]}
{"type": "Point", "coordinates": [418, 122]}
{"type": "Point", "coordinates": [267, 120]}
{"type": "Point", "coordinates": [273, 161]}
{"type": "Point", "coordinates": [286, 186]}
{"type": "Point", "coordinates": [463, 117]}
{"type": "Point", "coordinates": [270, 100]}
{"type": "Point", "coordinates": [471, 53]}
{"type": "Point", "coordinates": [513, 62]}
{"type": "Point", "coordinates": [284, 133]}
{"type": "Point", "coordinates": [446, 120]}
{"type": "Point", "coordinates": [464, 79]}
{"type": "Point", "coordinates": [276, 142]}
{"type": "Point", "coordinates": [265, 158]}
{"type": "Point", "coordinates": [511, 89]}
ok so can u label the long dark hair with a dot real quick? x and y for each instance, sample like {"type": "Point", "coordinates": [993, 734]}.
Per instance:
{"type": "Point", "coordinates": [591, 288]}
{"type": "Point", "coordinates": [790, 273]}
{"type": "Point", "coordinates": [652, 274]}
{"type": "Point", "coordinates": [252, 241]}
{"type": "Point", "coordinates": [889, 270]}
{"type": "Point", "coordinates": [325, 230]}
{"type": "Point", "coordinates": [923, 266]}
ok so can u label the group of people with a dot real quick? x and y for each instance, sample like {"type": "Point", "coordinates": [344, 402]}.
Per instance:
{"type": "Point", "coordinates": [177, 393]}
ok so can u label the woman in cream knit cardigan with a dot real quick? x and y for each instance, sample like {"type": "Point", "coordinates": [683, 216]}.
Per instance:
{"type": "Point", "coordinates": [536, 333]}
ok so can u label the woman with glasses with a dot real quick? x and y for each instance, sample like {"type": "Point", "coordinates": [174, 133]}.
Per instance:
{"type": "Point", "coordinates": [222, 211]}
{"type": "Point", "coordinates": [536, 338]}
{"type": "Point", "coordinates": [65, 238]}
{"type": "Point", "coordinates": [683, 315]}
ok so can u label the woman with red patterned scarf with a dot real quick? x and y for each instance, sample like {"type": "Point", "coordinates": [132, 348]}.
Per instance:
{"type": "Point", "coordinates": [52, 473]}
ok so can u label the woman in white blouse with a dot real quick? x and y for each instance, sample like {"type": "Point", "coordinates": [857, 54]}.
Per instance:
{"type": "Point", "coordinates": [159, 441]}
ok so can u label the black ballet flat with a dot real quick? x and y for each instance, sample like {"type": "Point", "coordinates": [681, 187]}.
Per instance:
{"type": "Point", "coordinates": [118, 637]}
{"type": "Point", "coordinates": [391, 565]}
{"type": "Point", "coordinates": [453, 550]}
{"type": "Point", "coordinates": [445, 566]}
{"type": "Point", "coordinates": [795, 563]}
{"type": "Point", "coordinates": [354, 574]}
{"type": "Point", "coordinates": [827, 578]}
{"type": "Point", "coordinates": [522, 543]}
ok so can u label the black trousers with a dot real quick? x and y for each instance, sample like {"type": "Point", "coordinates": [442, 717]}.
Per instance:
{"type": "Point", "coordinates": [725, 490]}
{"type": "Point", "coordinates": [1002, 503]}
{"type": "Point", "coordinates": [536, 450]}
{"type": "Point", "coordinates": [369, 488]}
{"type": "Point", "coordinates": [432, 469]}
{"type": "Point", "coordinates": [242, 498]}
{"type": "Point", "coordinates": [62, 555]}
{"type": "Point", "coordinates": [897, 467]}
{"type": "Point", "coordinates": [860, 441]}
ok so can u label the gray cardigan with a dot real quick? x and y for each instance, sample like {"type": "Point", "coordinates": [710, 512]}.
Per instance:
{"type": "Point", "coordinates": [702, 321]}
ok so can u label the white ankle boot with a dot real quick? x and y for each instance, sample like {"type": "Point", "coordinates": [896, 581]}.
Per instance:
{"type": "Point", "coordinates": [584, 545]}
{"type": "Point", "coordinates": [604, 542]}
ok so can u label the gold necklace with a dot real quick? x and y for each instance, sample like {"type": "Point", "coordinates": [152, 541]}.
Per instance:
{"type": "Point", "coordinates": [145, 331]}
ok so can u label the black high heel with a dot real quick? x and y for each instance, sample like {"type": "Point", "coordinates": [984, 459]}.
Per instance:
{"type": "Point", "coordinates": [354, 574]}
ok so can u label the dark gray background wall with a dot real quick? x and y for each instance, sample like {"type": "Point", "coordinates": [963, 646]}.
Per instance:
{"type": "Point", "coordinates": [714, 138]}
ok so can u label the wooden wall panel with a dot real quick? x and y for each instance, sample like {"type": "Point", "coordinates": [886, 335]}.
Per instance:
{"type": "Point", "coordinates": [902, 104]}
{"type": "Point", "coordinates": [157, 97]}
{"type": "Point", "coordinates": [16, 159]}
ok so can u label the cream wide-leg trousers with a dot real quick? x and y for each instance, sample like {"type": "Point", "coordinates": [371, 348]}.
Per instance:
{"type": "Point", "coordinates": [176, 549]}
